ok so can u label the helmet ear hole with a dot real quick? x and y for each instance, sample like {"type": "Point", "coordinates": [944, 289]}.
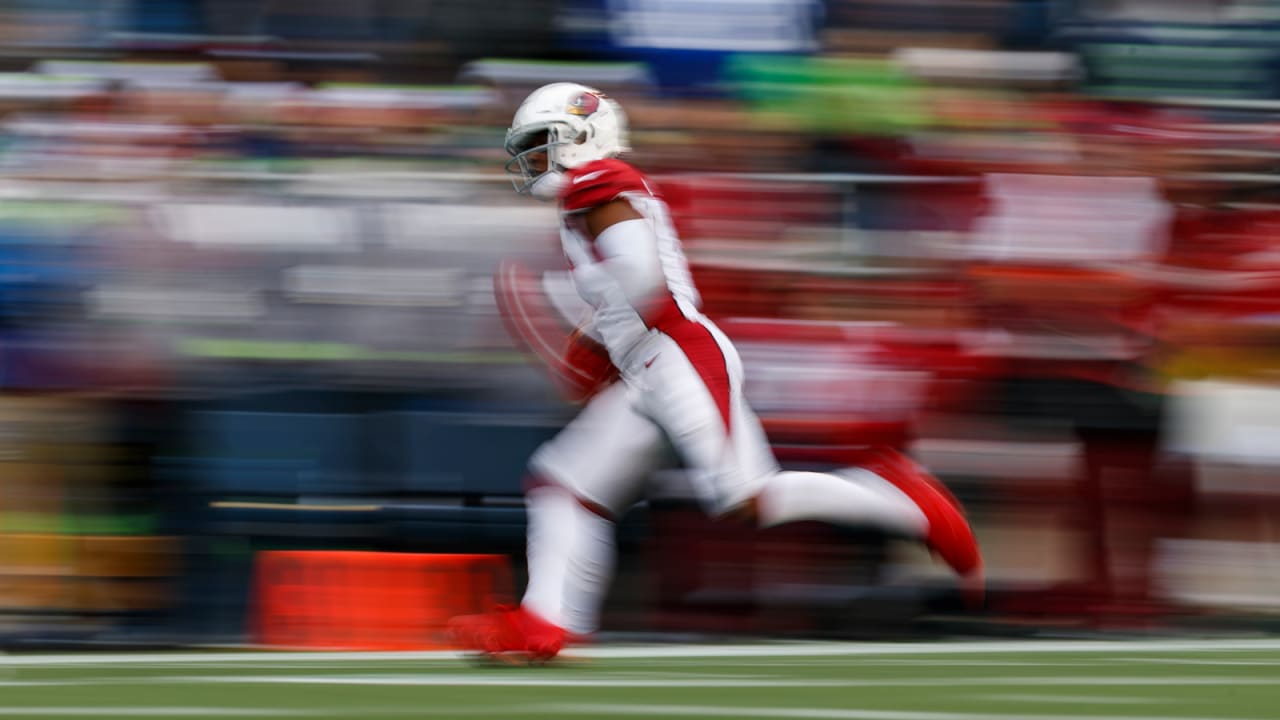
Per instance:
{"type": "Point", "coordinates": [581, 138]}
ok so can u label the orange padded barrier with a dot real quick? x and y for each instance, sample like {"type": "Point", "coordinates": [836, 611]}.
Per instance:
{"type": "Point", "coordinates": [352, 600]}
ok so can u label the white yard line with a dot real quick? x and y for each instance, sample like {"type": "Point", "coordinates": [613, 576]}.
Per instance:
{"type": "Point", "coordinates": [939, 648]}
{"type": "Point", "coordinates": [541, 679]}
{"type": "Point", "coordinates": [838, 662]}
{"type": "Point", "coordinates": [608, 709]}
{"type": "Point", "coordinates": [531, 679]}
{"type": "Point", "coordinates": [537, 679]}
{"type": "Point", "coordinates": [1073, 699]}
{"type": "Point", "coordinates": [638, 652]}
{"type": "Point", "coordinates": [1192, 661]}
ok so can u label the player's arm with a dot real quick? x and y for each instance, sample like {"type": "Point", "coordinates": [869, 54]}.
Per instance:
{"type": "Point", "coordinates": [628, 249]}
{"type": "Point", "coordinates": [580, 365]}
{"type": "Point", "coordinates": [602, 217]}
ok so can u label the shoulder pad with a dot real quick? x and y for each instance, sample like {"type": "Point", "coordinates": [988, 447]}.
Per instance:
{"type": "Point", "coordinates": [599, 182]}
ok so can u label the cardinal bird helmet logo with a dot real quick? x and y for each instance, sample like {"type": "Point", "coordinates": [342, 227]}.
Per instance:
{"type": "Point", "coordinates": [584, 104]}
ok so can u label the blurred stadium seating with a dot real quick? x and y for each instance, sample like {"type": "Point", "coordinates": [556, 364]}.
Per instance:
{"type": "Point", "coordinates": [245, 296]}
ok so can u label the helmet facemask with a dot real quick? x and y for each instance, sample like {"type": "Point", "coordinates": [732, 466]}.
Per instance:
{"type": "Point", "coordinates": [547, 139]}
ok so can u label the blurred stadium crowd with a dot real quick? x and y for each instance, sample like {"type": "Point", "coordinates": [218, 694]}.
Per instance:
{"type": "Point", "coordinates": [245, 295]}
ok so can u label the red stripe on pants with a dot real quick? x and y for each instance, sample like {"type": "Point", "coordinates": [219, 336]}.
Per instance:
{"type": "Point", "coordinates": [700, 346]}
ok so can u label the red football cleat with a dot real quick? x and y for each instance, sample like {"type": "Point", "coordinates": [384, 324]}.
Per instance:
{"type": "Point", "coordinates": [492, 633]}
{"type": "Point", "coordinates": [543, 640]}
{"type": "Point", "coordinates": [950, 535]}
{"type": "Point", "coordinates": [509, 633]}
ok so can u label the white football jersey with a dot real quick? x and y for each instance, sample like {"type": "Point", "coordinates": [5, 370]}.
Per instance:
{"type": "Point", "coordinates": [636, 279]}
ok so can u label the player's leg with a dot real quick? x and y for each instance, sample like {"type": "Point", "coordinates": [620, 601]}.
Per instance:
{"type": "Point", "coordinates": [722, 442]}
{"type": "Point", "coordinates": [589, 474]}
{"type": "Point", "coordinates": [695, 395]}
{"type": "Point", "coordinates": [583, 478]}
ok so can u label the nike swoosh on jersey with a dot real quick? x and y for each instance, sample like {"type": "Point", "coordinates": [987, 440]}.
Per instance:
{"type": "Point", "coordinates": [588, 176]}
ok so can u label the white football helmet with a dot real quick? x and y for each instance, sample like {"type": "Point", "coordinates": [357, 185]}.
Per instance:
{"type": "Point", "coordinates": [573, 124]}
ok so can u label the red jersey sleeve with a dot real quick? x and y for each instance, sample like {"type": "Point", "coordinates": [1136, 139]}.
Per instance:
{"type": "Point", "coordinates": [599, 182]}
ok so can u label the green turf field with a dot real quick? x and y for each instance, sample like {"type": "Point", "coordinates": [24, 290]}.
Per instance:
{"type": "Point", "coordinates": [848, 681]}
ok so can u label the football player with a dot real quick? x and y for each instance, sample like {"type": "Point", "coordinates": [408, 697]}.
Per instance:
{"type": "Point", "coordinates": [652, 370]}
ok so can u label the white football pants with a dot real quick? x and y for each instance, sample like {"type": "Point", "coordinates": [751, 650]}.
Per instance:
{"type": "Point", "coordinates": [688, 392]}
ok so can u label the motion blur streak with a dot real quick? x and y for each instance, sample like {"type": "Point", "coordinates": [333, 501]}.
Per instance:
{"type": "Point", "coordinates": [247, 306]}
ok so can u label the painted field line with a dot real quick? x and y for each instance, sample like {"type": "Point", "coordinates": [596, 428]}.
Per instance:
{"type": "Point", "coordinates": [1073, 699]}
{"type": "Point", "coordinates": [537, 679]}
{"type": "Point", "coordinates": [638, 652]}
{"type": "Point", "coordinates": [1194, 661]}
{"type": "Point", "coordinates": [605, 710]}
{"type": "Point", "coordinates": [843, 661]}
{"type": "Point", "coordinates": [481, 679]}
{"type": "Point", "coordinates": [938, 648]}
